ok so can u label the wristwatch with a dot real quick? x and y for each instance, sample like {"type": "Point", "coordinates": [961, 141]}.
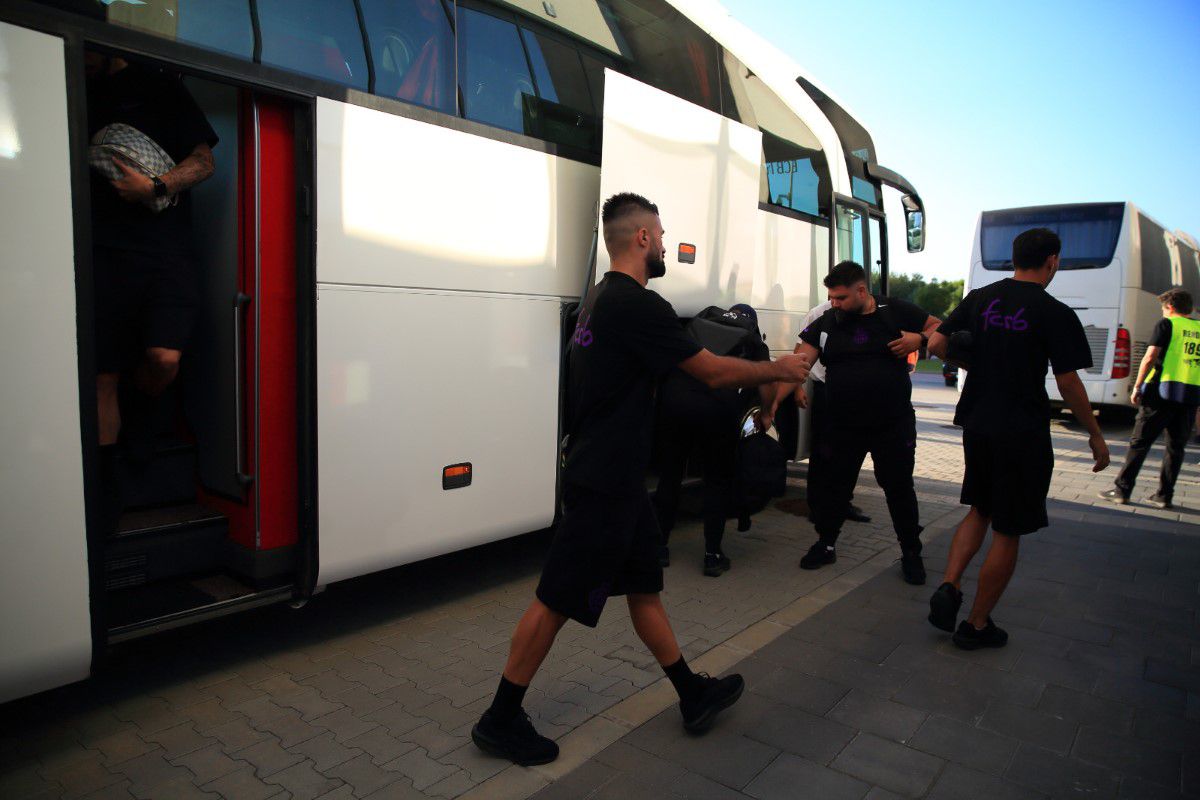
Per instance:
{"type": "Point", "coordinates": [924, 341]}
{"type": "Point", "coordinates": [160, 188]}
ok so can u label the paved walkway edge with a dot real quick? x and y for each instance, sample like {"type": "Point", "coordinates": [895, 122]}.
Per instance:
{"type": "Point", "coordinates": [586, 741]}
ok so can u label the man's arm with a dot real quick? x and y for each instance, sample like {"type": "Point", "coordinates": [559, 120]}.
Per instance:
{"type": "Point", "coordinates": [719, 372]}
{"type": "Point", "coordinates": [1075, 396]}
{"type": "Point", "coordinates": [135, 187]}
{"type": "Point", "coordinates": [938, 344]}
{"type": "Point", "coordinates": [910, 341]}
{"type": "Point", "coordinates": [1152, 354]}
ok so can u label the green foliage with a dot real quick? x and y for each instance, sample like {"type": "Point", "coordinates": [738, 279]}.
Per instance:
{"type": "Point", "coordinates": [937, 297]}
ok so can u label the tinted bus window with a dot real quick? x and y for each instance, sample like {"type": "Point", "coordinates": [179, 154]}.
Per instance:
{"type": "Point", "coordinates": [222, 25]}
{"type": "Point", "coordinates": [563, 111]}
{"type": "Point", "coordinates": [412, 45]}
{"type": "Point", "coordinates": [1189, 263]}
{"type": "Point", "coordinates": [493, 74]}
{"type": "Point", "coordinates": [320, 38]}
{"type": "Point", "coordinates": [1089, 234]}
{"type": "Point", "coordinates": [1156, 257]}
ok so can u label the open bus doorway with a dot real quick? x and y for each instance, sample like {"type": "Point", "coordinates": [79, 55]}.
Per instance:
{"type": "Point", "coordinates": [207, 492]}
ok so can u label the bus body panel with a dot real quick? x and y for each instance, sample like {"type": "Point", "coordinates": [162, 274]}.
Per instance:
{"type": "Point", "coordinates": [410, 382]}
{"type": "Point", "coordinates": [405, 203]}
{"type": "Point", "coordinates": [45, 632]}
{"type": "Point", "coordinates": [702, 170]}
{"type": "Point", "coordinates": [790, 255]}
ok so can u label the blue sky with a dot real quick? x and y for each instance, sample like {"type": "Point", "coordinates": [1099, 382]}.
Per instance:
{"type": "Point", "coordinates": [991, 105]}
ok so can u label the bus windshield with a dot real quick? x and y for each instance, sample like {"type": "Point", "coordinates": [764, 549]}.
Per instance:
{"type": "Point", "coordinates": [1088, 232]}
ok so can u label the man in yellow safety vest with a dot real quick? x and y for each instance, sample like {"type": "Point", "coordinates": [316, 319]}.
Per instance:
{"type": "Point", "coordinates": [1168, 392]}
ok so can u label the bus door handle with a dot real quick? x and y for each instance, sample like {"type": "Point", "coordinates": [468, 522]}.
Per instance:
{"type": "Point", "coordinates": [241, 302]}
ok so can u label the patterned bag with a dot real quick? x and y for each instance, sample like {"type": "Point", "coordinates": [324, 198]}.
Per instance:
{"type": "Point", "coordinates": [137, 150]}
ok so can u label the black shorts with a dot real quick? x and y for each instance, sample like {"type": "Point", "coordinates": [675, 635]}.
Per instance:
{"type": "Point", "coordinates": [604, 546]}
{"type": "Point", "coordinates": [142, 300]}
{"type": "Point", "coordinates": [1008, 478]}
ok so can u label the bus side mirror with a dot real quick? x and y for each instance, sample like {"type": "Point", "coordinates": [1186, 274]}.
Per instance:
{"type": "Point", "coordinates": [914, 222]}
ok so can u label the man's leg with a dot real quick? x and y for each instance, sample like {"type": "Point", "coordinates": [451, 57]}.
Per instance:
{"type": "Point", "coordinates": [997, 569]}
{"type": "Point", "coordinates": [108, 408]}
{"type": "Point", "coordinates": [842, 455]}
{"type": "Point", "coordinates": [159, 367]}
{"type": "Point", "coordinates": [968, 537]}
{"type": "Point", "coordinates": [653, 627]}
{"type": "Point", "coordinates": [894, 454]}
{"type": "Point", "coordinates": [1148, 425]}
{"type": "Point", "coordinates": [1177, 428]}
{"type": "Point", "coordinates": [531, 641]}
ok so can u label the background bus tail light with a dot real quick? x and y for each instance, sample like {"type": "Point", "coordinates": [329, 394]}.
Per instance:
{"type": "Point", "coordinates": [1120, 367]}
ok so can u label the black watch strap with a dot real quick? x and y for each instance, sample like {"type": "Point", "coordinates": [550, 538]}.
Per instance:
{"type": "Point", "coordinates": [160, 188]}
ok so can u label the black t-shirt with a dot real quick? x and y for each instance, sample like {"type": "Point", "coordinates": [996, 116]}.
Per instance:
{"type": "Point", "coordinates": [627, 337]}
{"type": "Point", "coordinates": [1160, 337]}
{"type": "Point", "coordinates": [1016, 329]}
{"type": "Point", "coordinates": [865, 383]}
{"type": "Point", "coordinates": [161, 107]}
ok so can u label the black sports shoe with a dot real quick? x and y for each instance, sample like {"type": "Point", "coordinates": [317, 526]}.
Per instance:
{"type": "Point", "coordinates": [1115, 496]}
{"type": "Point", "coordinates": [664, 556]}
{"type": "Point", "coordinates": [967, 637]}
{"type": "Point", "coordinates": [943, 607]}
{"type": "Point", "coordinates": [818, 556]}
{"type": "Point", "coordinates": [913, 567]}
{"type": "Point", "coordinates": [1158, 500]}
{"type": "Point", "coordinates": [713, 696]}
{"type": "Point", "coordinates": [715, 564]}
{"type": "Point", "coordinates": [517, 740]}
{"type": "Point", "coordinates": [855, 514]}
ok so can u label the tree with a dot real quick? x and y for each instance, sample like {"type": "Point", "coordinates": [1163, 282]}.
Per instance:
{"type": "Point", "coordinates": [937, 297]}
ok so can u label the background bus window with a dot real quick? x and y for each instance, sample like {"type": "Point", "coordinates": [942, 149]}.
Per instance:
{"type": "Point", "coordinates": [493, 74]}
{"type": "Point", "coordinates": [1189, 264]}
{"type": "Point", "coordinates": [563, 110]}
{"type": "Point", "coordinates": [221, 25]}
{"type": "Point", "coordinates": [412, 45]}
{"type": "Point", "coordinates": [1089, 234]}
{"type": "Point", "coordinates": [1156, 257]}
{"type": "Point", "coordinates": [320, 38]}
{"type": "Point", "coordinates": [850, 235]}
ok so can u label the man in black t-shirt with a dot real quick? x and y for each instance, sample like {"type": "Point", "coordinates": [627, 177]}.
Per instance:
{"type": "Point", "coordinates": [1005, 335]}
{"type": "Point", "coordinates": [1169, 408]}
{"type": "Point", "coordinates": [606, 543]}
{"type": "Point", "coordinates": [864, 341]}
{"type": "Point", "coordinates": [144, 283]}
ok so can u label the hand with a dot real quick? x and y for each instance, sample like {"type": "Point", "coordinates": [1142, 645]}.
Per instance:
{"type": "Point", "coordinates": [1099, 451]}
{"type": "Point", "coordinates": [801, 396]}
{"type": "Point", "coordinates": [795, 368]}
{"type": "Point", "coordinates": [134, 187]}
{"type": "Point", "coordinates": [764, 418]}
{"type": "Point", "coordinates": [1136, 397]}
{"type": "Point", "coordinates": [907, 343]}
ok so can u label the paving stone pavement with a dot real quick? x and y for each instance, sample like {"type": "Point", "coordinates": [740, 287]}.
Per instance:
{"type": "Point", "coordinates": [370, 691]}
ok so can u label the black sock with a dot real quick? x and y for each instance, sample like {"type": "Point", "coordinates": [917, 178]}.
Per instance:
{"type": "Point", "coordinates": [508, 700]}
{"type": "Point", "coordinates": [685, 681]}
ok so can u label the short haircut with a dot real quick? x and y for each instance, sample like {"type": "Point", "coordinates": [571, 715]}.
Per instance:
{"type": "Point", "coordinates": [619, 216]}
{"type": "Point", "coordinates": [1177, 298]}
{"type": "Point", "coordinates": [1032, 247]}
{"type": "Point", "coordinates": [845, 273]}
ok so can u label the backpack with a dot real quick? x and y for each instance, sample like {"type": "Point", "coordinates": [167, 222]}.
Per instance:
{"type": "Point", "coordinates": [761, 469]}
{"type": "Point", "coordinates": [726, 332]}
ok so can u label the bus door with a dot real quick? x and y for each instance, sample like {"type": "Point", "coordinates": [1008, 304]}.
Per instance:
{"type": "Point", "coordinates": [703, 171]}
{"type": "Point", "coordinates": [860, 238]}
{"type": "Point", "coordinates": [45, 625]}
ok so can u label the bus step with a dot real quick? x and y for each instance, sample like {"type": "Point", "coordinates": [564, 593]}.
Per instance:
{"type": "Point", "coordinates": [161, 543]}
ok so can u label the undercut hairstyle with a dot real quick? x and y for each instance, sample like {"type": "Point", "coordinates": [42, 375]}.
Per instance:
{"type": "Point", "coordinates": [1178, 299]}
{"type": "Point", "coordinates": [845, 273]}
{"type": "Point", "coordinates": [621, 214]}
{"type": "Point", "coordinates": [1032, 247]}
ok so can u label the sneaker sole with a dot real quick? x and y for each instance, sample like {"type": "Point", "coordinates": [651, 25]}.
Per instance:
{"type": "Point", "coordinates": [715, 572]}
{"type": "Point", "coordinates": [495, 749]}
{"type": "Point", "coordinates": [940, 608]}
{"type": "Point", "coordinates": [817, 566]}
{"type": "Point", "coordinates": [702, 723]}
{"type": "Point", "coordinates": [970, 644]}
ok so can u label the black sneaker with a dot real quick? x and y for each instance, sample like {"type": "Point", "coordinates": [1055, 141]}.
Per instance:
{"type": "Point", "coordinates": [1158, 500]}
{"type": "Point", "coordinates": [818, 556]}
{"type": "Point", "coordinates": [855, 514]}
{"type": "Point", "coordinates": [715, 564]}
{"type": "Point", "coordinates": [943, 607]}
{"type": "Point", "coordinates": [913, 567]}
{"type": "Point", "coordinates": [967, 637]}
{"type": "Point", "coordinates": [517, 740]}
{"type": "Point", "coordinates": [1115, 496]}
{"type": "Point", "coordinates": [664, 556]}
{"type": "Point", "coordinates": [714, 695]}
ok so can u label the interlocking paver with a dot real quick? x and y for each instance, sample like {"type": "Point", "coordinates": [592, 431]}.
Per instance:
{"type": "Point", "coordinates": [209, 763]}
{"type": "Point", "coordinates": [303, 782]}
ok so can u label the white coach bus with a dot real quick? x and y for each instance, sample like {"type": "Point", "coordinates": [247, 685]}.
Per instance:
{"type": "Point", "coordinates": [403, 212]}
{"type": "Point", "coordinates": [1115, 261]}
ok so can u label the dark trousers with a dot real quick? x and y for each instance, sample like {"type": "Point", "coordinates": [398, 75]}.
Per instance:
{"type": "Point", "coordinates": [692, 423]}
{"type": "Point", "coordinates": [1154, 417]}
{"type": "Point", "coordinates": [818, 453]}
{"type": "Point", "coordinates": [893, 449]}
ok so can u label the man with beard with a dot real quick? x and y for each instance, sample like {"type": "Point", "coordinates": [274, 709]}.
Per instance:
{"type": "Point", "coordinates": [607, 541]}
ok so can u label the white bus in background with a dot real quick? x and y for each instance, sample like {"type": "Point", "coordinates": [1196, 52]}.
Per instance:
{"type": "Point", "coordinates": [401, 218]}
{"type": "Point", "coordinates": [1115, 261]}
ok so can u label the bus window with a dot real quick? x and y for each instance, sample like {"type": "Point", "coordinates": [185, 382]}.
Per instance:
{"type": "Point", "coordinates": [1089, 234]}
{"type": "Point", "coordinates": [866, 191]}
{"type": "Point", "coordinates": [877, 269]}
{"type": "Point", "coordinates": [221, 25]}
{"type": "Point", "coordinates": [1156, 256]}
{"type": "Point", "coordinates": [1189, 263]}
{"type": "Point", "coordinates": [850, 245]}
{"type": "Point", "coordinates": [563, 110]}
{"type": "Point", "coordinates": [493, 74]}
{"type": "Point", "coordinates": [320, 38]}
{"type": "Point", "coordinates": [412, 45]}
